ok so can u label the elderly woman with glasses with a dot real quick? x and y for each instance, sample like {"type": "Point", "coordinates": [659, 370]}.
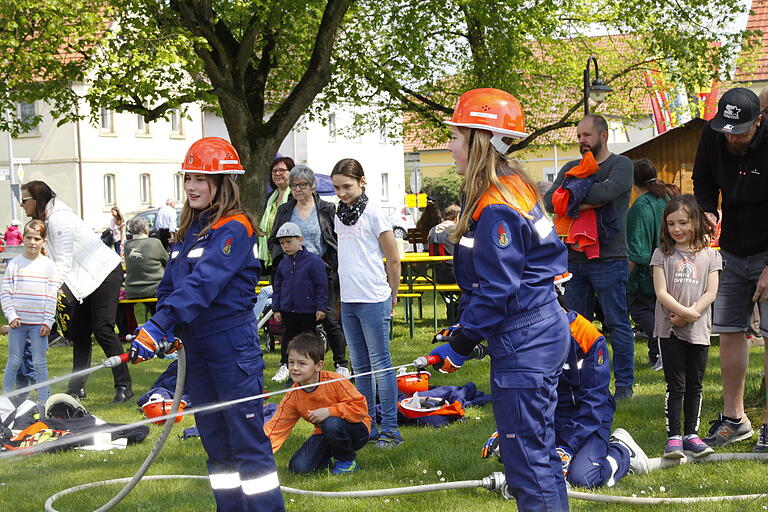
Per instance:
{"type": "Point", "coordinates": [278, 185]}
{"type": "Point", "coordinates": [315, 219]}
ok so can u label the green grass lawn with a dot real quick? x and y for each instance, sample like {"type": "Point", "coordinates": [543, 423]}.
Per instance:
{"type": "Point", "coordinates": [427, 456]}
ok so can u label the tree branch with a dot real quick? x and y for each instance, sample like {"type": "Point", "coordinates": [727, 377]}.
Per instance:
{"type": "Point", "coordinates": [247, 44]}
{"type": "Point", "coordinates": [318, 71]}
{"type": "Point", "coordinates": [151, 114]}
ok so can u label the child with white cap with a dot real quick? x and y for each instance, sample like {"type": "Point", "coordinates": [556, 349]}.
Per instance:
{"type": "Point", "coordinates": [300, 291]}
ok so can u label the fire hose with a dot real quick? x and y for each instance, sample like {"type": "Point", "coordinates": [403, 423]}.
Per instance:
{"type": "Point", "coordinates": [496, 482]}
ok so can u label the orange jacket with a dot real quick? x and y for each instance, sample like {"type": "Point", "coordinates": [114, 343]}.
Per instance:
{"type": "Point", "coordinates": [342, 399]}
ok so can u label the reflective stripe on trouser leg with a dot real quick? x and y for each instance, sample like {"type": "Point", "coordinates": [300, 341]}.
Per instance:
{"type": "Point", "coordinates": [260, 484]}
{"type": "Point", "coordinates": [614, 468]}
{"type": "Point", "coordinates": [229, 480]}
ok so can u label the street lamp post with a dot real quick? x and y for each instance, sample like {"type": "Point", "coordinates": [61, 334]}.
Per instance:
{"type": "Point", "coordinates": [597, 90]}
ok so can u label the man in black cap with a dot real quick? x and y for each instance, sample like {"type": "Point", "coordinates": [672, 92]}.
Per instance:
{"type": "Point", "coordinates": [732, 160]}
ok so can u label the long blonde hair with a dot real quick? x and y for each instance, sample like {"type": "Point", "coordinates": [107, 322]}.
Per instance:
{"type": "Point", "coordinates": [226, 202]}
{"type": "Point", "coordinates": [485, 165]}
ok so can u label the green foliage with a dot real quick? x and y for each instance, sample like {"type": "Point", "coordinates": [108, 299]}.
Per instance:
{"type": "Point", "coordinates": [44, 46]}
{"type": "Point", "coordinates": [431, 51]}
{"type": "Point", "coordinates": [444, 189]}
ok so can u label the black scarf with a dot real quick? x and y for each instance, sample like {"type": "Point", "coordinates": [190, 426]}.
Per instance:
{"type": "Point", "coordinates": [348, 215]}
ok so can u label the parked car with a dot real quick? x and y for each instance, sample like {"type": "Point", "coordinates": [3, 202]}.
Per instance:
{"type": "Point", "coordinates": [401, 219]}
{"type": "Point", "coordinates": [150, 215]}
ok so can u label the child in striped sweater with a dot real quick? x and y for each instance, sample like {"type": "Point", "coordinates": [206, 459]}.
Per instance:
{"type": "Point", "coordinates": [28, 298]}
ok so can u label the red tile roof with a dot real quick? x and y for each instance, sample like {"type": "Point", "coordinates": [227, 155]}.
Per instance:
{"type": "Point", "coordinates": [758, 20]}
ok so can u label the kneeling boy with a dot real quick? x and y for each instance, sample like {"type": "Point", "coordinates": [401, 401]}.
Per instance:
{"type": "Point", "coordinates": [338, 411]}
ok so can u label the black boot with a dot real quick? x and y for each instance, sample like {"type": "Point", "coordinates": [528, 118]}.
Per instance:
{"type": "Point", "coordinates": [122, 394]}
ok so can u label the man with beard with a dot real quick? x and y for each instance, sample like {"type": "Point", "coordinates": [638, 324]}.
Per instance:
{"type": "Point", "coordinates": [732, 161]}
{"type": "Point", "coordinates": [606, 275]}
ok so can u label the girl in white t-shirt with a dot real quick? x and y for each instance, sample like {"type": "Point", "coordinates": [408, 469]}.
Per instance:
{"type": "Point", "coordinates": [685, 277]}
{"type": "Point", "coordinates": [368, 294]}
{"type": "Point", "coordinates": [28, 298]}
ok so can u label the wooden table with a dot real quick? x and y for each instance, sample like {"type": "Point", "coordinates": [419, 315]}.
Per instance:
{"type": "Point", "coordinates": [409, 286]}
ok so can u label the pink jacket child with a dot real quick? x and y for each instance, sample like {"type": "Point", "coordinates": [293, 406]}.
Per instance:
{"type": "Point", "coordinates": [12, 234]}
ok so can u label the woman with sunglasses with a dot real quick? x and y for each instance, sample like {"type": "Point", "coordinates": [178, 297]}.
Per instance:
{"type": "Point", "coordinates": [315, 219]}
{"type": "Point", "coordinates": [88, 270]}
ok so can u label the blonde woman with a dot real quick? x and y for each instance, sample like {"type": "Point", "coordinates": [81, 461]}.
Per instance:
{"type": "Point", "coordinates": [506, 257]}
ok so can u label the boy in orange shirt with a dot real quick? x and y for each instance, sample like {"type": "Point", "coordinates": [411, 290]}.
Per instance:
{"type": "Point", "coordinates": [338, 411]}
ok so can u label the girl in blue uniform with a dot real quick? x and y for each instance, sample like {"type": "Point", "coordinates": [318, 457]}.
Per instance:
{"type": "Point", "coordinates": [206, 299]}
{"type": "Point", "coordinates": [506, 256]}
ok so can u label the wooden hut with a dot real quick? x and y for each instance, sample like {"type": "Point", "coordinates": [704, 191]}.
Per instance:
{"type": "Point", "coordinates": [673, 153]}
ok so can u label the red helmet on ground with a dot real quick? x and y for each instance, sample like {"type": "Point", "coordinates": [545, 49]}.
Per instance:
{"type": "Point", "coordinates": [412, 382]}
{"type": "Point", "coordinates": [158, 406]}
{"type": "Point", "coordinates": [212, 155]}
{"type": "Point", "coordinates": [493, 110]}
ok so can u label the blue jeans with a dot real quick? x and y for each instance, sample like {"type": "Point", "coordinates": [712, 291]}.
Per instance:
{"type": "Point", "coordinates": [607, 280]}
{"type": "Point", "coordinates": [366, 326]}
{"type": "Point", "coordinates": [39, 344]}
{"type": "Point", "coordinates": [340, 439]}
{"type": "Point", "coordinates": [263, 299]}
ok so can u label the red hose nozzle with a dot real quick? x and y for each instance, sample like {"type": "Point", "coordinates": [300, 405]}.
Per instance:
{"type": "Point", "coordinates": [424, 361]}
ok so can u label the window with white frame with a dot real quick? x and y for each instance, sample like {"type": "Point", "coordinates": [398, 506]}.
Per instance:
{"type": "Point", "coordinates": [385, 186]}
{"type": "Point", "coordinates": [549, 174]}
{"type": "Point", "coordinates": [145, 189]}
{"type": "Point", "coordinates": [26, 113]}
{"type": "Point", "coordinates": [176, 123]}
{"type": "Point", "coordinates": [106, 120]}
{"type": "Point", "coordinates": [142, 127]}
{"type": "Point", "coordinates": [331, 127]}
{"type": "Point", "coordinates": [178, 187]}
{"type": "Point", "coordinates": [109, 190]}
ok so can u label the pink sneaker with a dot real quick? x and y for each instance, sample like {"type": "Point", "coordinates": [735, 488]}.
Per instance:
{"type": "Point", "coordinates": [695, 447]}
{"type": "Point", "coordinates": [674, 448]}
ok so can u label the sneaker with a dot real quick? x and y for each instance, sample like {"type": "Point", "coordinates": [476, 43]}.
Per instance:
{"type": "Point", "coordinates": [282, 374]}
{"type": "Point", "coordinates": [343, 371]}
{"type": "Point", "coordinates": [673, 449]}
{"type": "Point", "coordinates": [622, 392]}
{"type": "Point", "coordinates": [695, 447]}
{"type": "Point", "coordinates": [762, 440]}
{"type": "Point", "coordinates": [389, 439]}
{"type": "Point", "coordinates": [345, 467]}
{"type": "Point", "coordinates": [638, 460]}
{"type": "Point", "coordinates": [374, 435]}
{"type": "Point", "coordinates": [725, 432]}
{"type": "Point", "coordinates": [657, 366]}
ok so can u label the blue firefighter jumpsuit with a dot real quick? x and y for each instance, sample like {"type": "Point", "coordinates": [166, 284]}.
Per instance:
{"type": "Point", "coordinates": [206, 299]}
{"type": "Point", "coordinates": [585, 410]}
{"type": "Point", "coordinates": [505, 265]}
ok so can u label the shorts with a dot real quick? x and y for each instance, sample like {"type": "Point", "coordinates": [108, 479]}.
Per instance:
{"type": "Point", "coordinates": [733, 305]}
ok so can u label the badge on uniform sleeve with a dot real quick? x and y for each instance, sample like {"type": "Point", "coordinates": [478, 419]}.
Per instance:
{"type": "Point", "coordinates": [226, 249]}
{"type": "Point", "coordinates": [600, 357]}
{"type": "Point", "coordinates": [500, 234]}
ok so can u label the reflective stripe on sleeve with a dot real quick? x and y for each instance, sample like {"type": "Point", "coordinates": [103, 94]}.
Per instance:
{"type": "Point", "coordinates": [225, 480]}
{"type": "Point", "coordinates": [261, 484]}
{"type": "Point", "coordinates": [467, 242]}
{"type": "Point", "coordinates": [195, 253]}
{"type": "Point", "coordinates": [174, 254]}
